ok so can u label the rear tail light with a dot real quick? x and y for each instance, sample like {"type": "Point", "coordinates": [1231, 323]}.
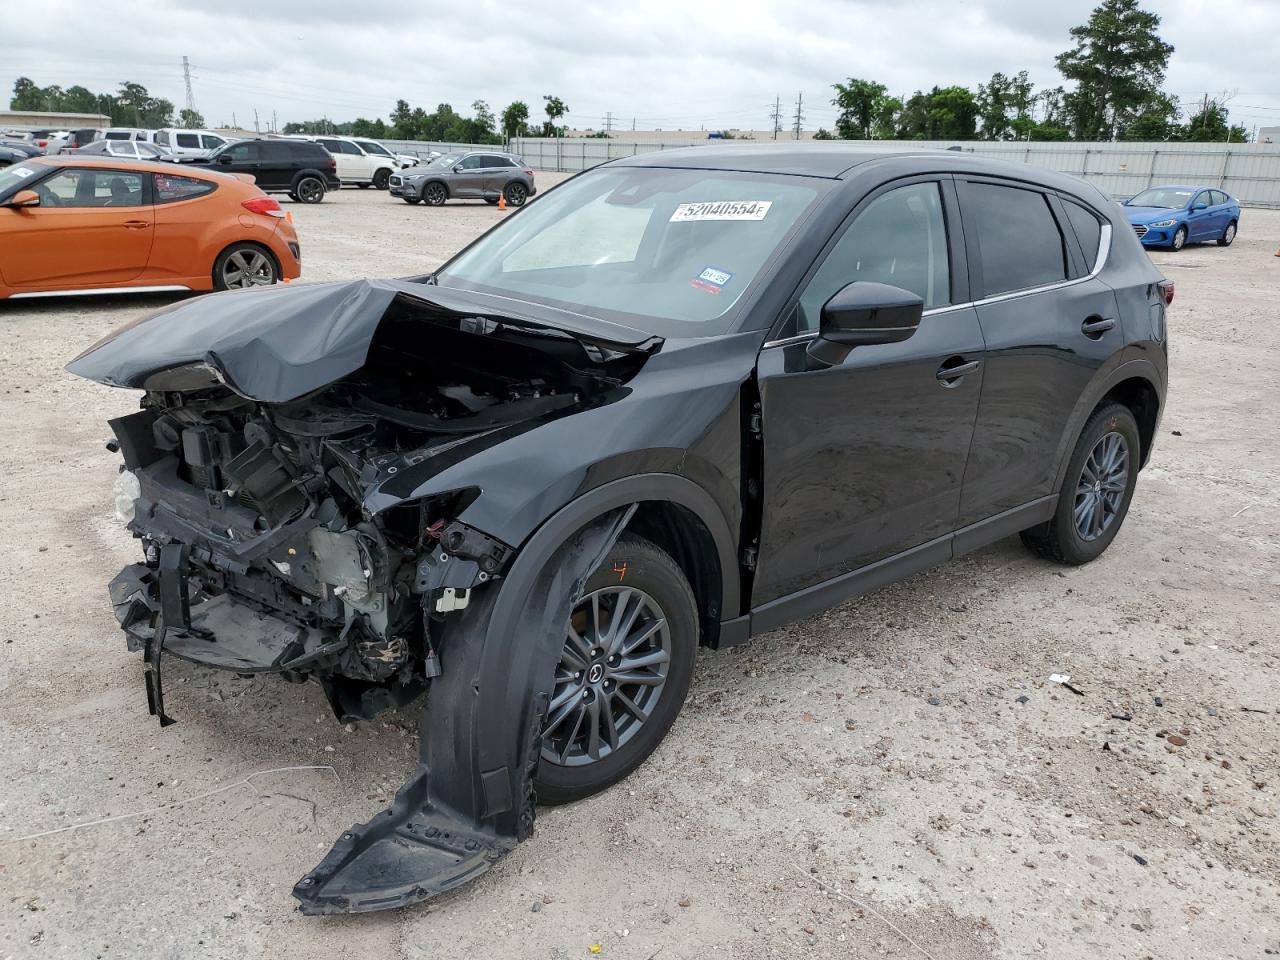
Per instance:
{"type": "Point", "coordinates": [1166, 292]}
{"type": "Point", "coordinates": [333, 164]}
{"type": "Point", "coordinates": [528, 173]}
{"type": "Point", "coordinates": [42, 144]}
{"type": "Point", "coordinates": [265, 206]}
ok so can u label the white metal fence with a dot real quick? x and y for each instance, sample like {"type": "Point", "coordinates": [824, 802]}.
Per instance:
{"type": "Point", "coordinates": [1249, 172]}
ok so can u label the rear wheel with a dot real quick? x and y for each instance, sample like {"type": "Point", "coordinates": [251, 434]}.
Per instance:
{"type": "Point", "coordinates": [244, 265]}
{"type": "Point", "coordinates": [623, 674]}
{"type": "Point", "coordinates": [1228, 235]}
{"type": "Point", "coordinates": [1179, 238]}
{"type": "Point", "coordinates": [1096, 491]}
{"type": "Point", "coordinates": [435, 194]}
{"type": "Point", "coordinates": [517, 194]}
{"type": "Point", "coordinates": [380, 179]}
{"type": "Point", "coordinates": [308, 190]}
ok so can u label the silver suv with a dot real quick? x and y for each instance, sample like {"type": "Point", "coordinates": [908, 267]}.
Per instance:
{"type": "Point", "coordinates": [475, 175]}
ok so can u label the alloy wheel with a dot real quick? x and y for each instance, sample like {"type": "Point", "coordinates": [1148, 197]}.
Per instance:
{"type": "Point", "coordinates": [248, 268]}
{"type": "Point", "coordinates": [516, 194]}
{"type": "Point", "coordinates": [434, 194]}
{"type": "Point", "coordinates": [1180, 238]}
{"type": "Point", "coordinates": [1229, 235]}
{"type": "Point", "coordinates": [611, 674]}
{"type": "Point", "coordinates": [310, 190]}
{"type": "Point", "coordinates": [1101, 487]}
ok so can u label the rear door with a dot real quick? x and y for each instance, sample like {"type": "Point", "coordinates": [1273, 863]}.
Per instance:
{"type": "Point", "coordinates": [1049, 324]}
{"type": "Point", "coordinates": [93, 227]}
{"type": "Point", "coordinates": [497, 171]}
{"type": "Point", "coordinates": [183, 217]}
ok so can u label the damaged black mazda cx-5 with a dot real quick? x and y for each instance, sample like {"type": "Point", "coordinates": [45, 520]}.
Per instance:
{"type": "Point", "coordinates": [681, 399]}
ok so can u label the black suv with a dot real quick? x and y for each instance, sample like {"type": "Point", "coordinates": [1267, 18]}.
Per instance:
{"type": "Point", "coordinates": [684, 399]}
{"type": "Point", "coordinates": [302, 169]}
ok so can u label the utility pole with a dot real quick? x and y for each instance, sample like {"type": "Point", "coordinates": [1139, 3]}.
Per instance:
{"type": "Point", "coordinates": [234, 124]}
{"type": "Point", "coordinates": [776, 116]}
{"type": "Point", "coordinates": [274, 128]}
{"type": "Point", "coordinates": [256, 128]}
{"type": "Point", "coordinates": [186, 77]}
{"type": "Point", "coordinates": [799, 117]}
{"type": "Point", "coordinates": [633, 124]}
{"type": "Point", "coordinates": [608, 122]}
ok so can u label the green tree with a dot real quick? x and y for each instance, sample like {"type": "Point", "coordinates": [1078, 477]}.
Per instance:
{"type": "Point", "coordinates": [134, 107]}
{"type": "Point", "coordinates": [26, 95]}
{"type": "Point", "coordinates": [1118, 64]}
{"type": "Point", "coordinates": [190, 119]}
{"type": "Point", "coordinates": [1211, 123]}
{"type": "Point", "coordinates": [555, 108]}
{"type": "Point", "coordinates": [824, 134]}
{"type": "Point", "coordinates": [885, 124]}
{"type": "Point", "coordinates": [515, 119]}
{"type": "Point", "coordinates": [944, 113]}
{"type": "Point", "coordinates": [1004, 106]}
{"type": "Point", "coordinates": [859, 102]}
{"type": "Point", "coordinates": [402, 121]}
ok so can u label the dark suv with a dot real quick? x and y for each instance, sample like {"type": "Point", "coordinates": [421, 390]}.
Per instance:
{"type": "Point", "coordinates": [300, 168]}
{"type": "Point", "coordinates": [686, 398]}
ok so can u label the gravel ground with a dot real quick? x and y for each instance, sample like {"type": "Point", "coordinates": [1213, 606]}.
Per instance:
{"type": "Point", "coordinates": [867, 783]}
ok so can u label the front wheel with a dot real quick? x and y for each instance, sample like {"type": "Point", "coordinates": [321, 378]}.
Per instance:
{"type": "Point", "coordinates": [1228, 235]}
{"type": "Point", "coordinates": [1096, 491]}
{"type": "Point", "coordinates": [380, 179]}
{"type": "Point", "coordinates": [434, 194]}
{"type": "Point", "coordinates": [1179, 238]}
{"type": "Point", "coordinates": [244, 265]}
{"type": "Point", "coordinates": [623, 674]}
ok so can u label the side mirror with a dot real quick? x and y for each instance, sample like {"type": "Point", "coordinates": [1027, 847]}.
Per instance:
{"type": "Point", "coordinates": [864, 313]}
{"type": "Point", "coordinates": [24, 198]}
{"type": "Point", "coordinates": [458, 168]}
{"type": "Point", "coordinates": [224, 158]}
{"type": "Point", "coordinates": [1200, 205]}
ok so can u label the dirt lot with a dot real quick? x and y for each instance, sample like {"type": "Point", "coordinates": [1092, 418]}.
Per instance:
{"type": "Point", "coordinates": [867, 774]}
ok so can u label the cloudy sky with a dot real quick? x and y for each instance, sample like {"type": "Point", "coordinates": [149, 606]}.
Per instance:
{"type": "Point", "coordinates": [663, 63]}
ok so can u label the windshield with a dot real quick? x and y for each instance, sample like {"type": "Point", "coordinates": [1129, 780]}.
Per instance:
{"type": "Point", "coordinates": [448, 160]}
{"type": "Point", "coordinates": [371, 147]}
{"type": "Point", "coordinates": [667, 251]}
{"type": "Point", "coordinates": [1169, 197]}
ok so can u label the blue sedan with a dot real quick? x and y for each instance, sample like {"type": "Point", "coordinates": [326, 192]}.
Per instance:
{"type": "Point", "coordinates": [1175, 216]}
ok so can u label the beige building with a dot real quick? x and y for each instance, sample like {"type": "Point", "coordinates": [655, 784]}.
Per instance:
{"type": "Point", "coordinates": [40, 120]}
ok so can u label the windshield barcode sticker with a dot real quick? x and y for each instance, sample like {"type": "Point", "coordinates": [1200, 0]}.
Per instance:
{"type": "Point", "coordinates": [721, 210]}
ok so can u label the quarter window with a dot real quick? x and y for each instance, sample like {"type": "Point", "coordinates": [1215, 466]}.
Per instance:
{"type": "Point", "coordinates": [1218, 197]}
{"type": "Point", "coordinates": [1019, 238]}
{"type": "Point", "coordinates": [187, 140]}
{"type": "Point", "coordinates": [899, 239]}
{"type": "Point", "coordinates": [1088, 231]}
{"type": "Point", "coordinates": [170, 188]}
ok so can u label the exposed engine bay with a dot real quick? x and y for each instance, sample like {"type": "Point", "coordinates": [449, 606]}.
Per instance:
{"type": "Point", "coordinates": [263, 550]}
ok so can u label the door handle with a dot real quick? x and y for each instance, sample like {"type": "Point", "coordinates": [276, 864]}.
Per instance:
{"type": "Point", "coordinates": [136, 224]}
{"type": "Point", "coordinates": [1095, 327]}
{"type": "Point", "coordinates": [948, 375]}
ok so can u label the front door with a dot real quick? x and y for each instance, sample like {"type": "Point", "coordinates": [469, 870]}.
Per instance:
{"type": "Point", "coordinates": [1200, 217]}
{"type": "Point", "coordinates": [468, 178]}
{"type": "Point", "coordinates": [865, 459]}
{"type": "Point", "coordinates": [92, 227]}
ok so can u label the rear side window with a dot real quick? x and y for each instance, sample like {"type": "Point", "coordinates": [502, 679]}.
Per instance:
{"type": "Point", "coordinates": [1088, 231]}
{"type": "Point", "coordinates": [170, 189]}
{"type": "Point", "coordinates": [162, 138]}
{"type": "Point", "coordinates": [187, 140]}
{"type": "Point", "coordinates": [899, 239]}
{"type": "Point", "coordinates": [1018, 237]}
{"type": "Point", "coordinates": [119, 135]}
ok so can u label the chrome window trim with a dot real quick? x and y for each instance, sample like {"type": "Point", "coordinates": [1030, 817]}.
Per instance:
{"type": "Point", "coordinates": [1104, 251]}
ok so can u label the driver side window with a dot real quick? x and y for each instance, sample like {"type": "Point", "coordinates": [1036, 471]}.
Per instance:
{"type": "Point", "coordinates": [899, 239]}
{"type": "Point", "coordinates": [92, 188]}
{"type": "Point", "coordinates": [473, 162]}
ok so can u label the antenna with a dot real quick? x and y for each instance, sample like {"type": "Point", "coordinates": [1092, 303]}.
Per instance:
{"type": "Point", "coordinates": [186, 77]}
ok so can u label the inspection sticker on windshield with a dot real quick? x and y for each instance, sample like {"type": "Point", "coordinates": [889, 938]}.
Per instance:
{"type": "Point", "coordinates": [721, 210]}
{"type": "Point", "coordinates": [712, 280]}
{"type": "Point", "coordinates": [21, 171]}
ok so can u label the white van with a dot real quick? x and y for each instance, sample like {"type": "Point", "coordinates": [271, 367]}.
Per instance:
{"type": "Point", "coordinates": [355, 164]}
{"type": "Point", "coordinates": [126, 133]}
{"type": "Point", "coordinates": [188, 143]}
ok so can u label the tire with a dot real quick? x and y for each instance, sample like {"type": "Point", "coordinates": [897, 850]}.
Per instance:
{"type": "Point", "coordinates": [363, 186]}
{"type": "Point", "coordinates": [1228, 235]}
{"type": "Point", "coordinates": [1179, 239]}
{"type": "Point", "coordinates": [434, 194]}
{"type": "Point", "coordinates": [516, 193]}
{"type": "Point", "coordinates": [492, 201]}
{"type": "Point", "coordinates": [412, 199]}
{"type": "Point", "coordinates": [380, 179]}
{"type": "Point", "coordinates": [244, 265]}
{"type": "Point", "coordinates": [652, 590]}
{"type": "Point", "coordinates": [1078, 532]}
{"type": "Point", "coordinates": [308, 189]}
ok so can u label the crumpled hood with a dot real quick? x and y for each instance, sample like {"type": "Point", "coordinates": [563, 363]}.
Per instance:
{"type": "Point", "coordinates": [275, 344]}
{"type": "Point", "coordinates": [1144, 214]}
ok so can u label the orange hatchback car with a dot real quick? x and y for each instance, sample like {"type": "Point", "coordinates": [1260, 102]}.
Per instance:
{"type": "Point", "coordinates": [81, 225]}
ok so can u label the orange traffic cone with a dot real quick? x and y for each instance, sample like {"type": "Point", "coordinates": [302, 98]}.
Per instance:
{"type": "Point", "coordinates": [502, 205]}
